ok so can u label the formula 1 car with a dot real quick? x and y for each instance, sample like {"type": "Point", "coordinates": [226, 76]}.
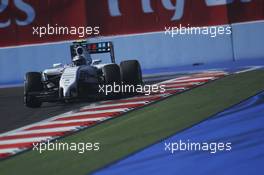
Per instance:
{"type": "Point", "coordinates": [82, 78]}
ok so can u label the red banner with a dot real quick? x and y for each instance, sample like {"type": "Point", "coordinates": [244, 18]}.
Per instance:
{"type": "Point", "coordinates": [39, 21]}
{"type": "Point", "coordinates": [137, 16]}
{"type": "Point", "coordinates": [18, 18]}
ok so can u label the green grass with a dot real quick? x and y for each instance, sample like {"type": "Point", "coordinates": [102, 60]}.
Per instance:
{"type": "Point", "coordinates": [138, 129]}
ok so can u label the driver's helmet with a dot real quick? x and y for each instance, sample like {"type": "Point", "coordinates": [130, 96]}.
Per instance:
{"type": "Point", "coordinates": [79, 60]}
{"type": "Point", "coordinates": [82, 57]}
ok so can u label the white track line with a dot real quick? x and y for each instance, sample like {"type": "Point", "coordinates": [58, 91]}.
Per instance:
{"type": "Point", "coordinates": [72, 114]}
{"type": "Point", "coordinates": [9, 150]}
{"type": "Point", "coordinates": [182, 78]}
{"type": "Point", "coordinates": [181, 85]}
{"type": "Point", "coordinates": [187, 78]}
{"type": "Point", "coordinates": [39, 131]}
{"type": "Point", "coordinates": [193, 79]}
{"type": "Point", "coordinates": [73, 121]}
{"type": "Point", "coordinates": [113, 105]}
{"type": "Point", "coordinates": [25, 140]}
{"type": "Point", "coordinates": [145, 97]}
{"type": "Point", "coordinates": [250, 69]}
{"type": "Point", "coordinates": [171, 89]}
{"type": "Point", "coordinates": [186, 87]}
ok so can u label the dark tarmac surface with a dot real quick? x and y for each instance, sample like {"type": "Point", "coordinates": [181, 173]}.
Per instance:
{"type": "Point", "coordinates": [13, 113]}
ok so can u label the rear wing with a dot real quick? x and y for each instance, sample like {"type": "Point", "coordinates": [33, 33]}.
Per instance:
{"type": "Point", "coordinates": [94, 48]}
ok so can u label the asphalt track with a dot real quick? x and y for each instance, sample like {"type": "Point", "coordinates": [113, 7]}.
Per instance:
{"type": "Point", "coordinates": [13, 113]}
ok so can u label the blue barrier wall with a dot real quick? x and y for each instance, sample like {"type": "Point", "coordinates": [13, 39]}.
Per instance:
{"type": "Point", "coordinates": [157, 50]}
{"type": "Point", "coordinates": [15, 62]}
{"type": "Point", "coordinates": [248, 40]}
{"type": "Point", "coordinates": [153, 50]}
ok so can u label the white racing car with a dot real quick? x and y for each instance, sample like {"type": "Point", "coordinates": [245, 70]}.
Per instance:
{"type": "Point", "coordinates": [82, 78]}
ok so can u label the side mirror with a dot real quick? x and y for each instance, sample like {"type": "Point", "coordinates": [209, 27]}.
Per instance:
{"type": "Point", "coordinates": [94, 62]}
{"type": "Point", "coordinates": [57, 65]}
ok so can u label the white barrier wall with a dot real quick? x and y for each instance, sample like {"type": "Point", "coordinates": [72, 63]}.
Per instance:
{"type": "Point", "coordinates": [154, 50]}
{"type": "Point", "coordinates": [157, 50]}
{"type": "Point", "coordinates": [15, 62]}
{"type": "Point", "coordinates": [248, 40]}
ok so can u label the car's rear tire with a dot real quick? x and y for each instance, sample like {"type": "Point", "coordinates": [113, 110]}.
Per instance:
{"type": "Point", "coordinates": [131, 72]}
{"type": "Point", "coordinates": [112, 76]}
{"type": "Point", "coordinates": [32, 84]}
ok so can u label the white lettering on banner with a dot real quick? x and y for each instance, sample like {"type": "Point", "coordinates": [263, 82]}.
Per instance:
{"type": "Point", "coordinates": [114, 8]}
{"type": "Point", "coordinates": [222, 2]}
{"type": "Point", "coordinates": [28, 10]}
{"type": "Point", "coordinates": [178, 8]}
{"type": "Point", "coordinates": [3, 6]}
{"type": "Point", "coordinates": [146, 5]}
{"type": "Point", "coordinates": [21, 5]}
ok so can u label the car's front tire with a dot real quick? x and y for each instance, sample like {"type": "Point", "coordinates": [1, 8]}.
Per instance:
{"type": "Point", "coordinates": [32, 84]}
